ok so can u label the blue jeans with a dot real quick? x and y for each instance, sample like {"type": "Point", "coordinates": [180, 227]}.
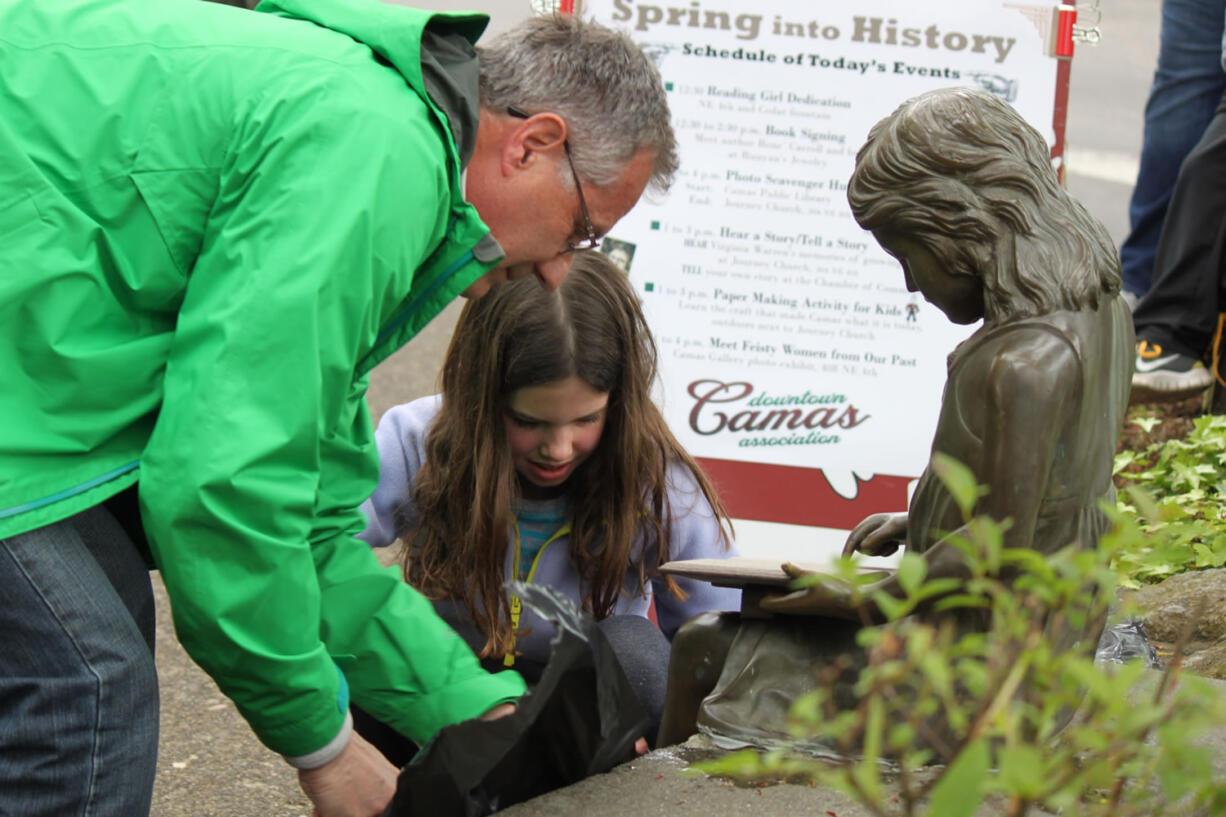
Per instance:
{"type": "Point", "coordinates": [1187, 85]}
{"type": "Point", "coordinates": [78, 685]}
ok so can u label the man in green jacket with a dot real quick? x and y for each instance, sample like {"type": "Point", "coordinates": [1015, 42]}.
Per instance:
{"type": "Point", "coordinates": [213, 224]}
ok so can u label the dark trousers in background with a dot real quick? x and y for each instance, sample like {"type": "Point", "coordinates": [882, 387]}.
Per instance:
{"type": "Point", "coordinates": [1181, 311]}
{"type": "Point", "coordinates": [1187, 83]}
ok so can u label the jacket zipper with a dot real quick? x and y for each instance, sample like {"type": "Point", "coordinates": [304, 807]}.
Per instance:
{"type": "Point", "coordinates": [34, 505]}
{"type": "Point", "coordinates": [411, 307]}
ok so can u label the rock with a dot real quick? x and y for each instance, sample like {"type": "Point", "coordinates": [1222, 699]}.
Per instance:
{"type": "Point", "coordinates": [661, 784]}
{"type": "Point", "coordinates": [1208, 660]}
{"type": "Point", "coordinates": [1169, 606]}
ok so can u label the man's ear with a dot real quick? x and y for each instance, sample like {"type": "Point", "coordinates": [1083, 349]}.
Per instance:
{"type": "Point", "coordinates": [541, 133]}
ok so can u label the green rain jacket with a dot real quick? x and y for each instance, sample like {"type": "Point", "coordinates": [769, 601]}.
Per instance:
{"type": "Point", "coordinates": [213, 224]}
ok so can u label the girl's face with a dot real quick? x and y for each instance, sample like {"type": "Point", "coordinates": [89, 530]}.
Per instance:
{"type": "Point", "coordinates": [552, 429]}
{"type": "Point", "coordinates": [960, 297]}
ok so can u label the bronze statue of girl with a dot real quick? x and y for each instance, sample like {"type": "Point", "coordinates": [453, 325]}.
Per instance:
{"type": "Point", "coordinates": [960, 189]}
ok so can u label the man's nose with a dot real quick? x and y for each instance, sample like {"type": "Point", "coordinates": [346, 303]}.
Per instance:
{"type": "Point", "coordinates": [550, 273]}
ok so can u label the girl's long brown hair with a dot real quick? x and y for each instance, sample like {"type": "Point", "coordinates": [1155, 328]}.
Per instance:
{"type": "Point", "coordinates": [519, 335]}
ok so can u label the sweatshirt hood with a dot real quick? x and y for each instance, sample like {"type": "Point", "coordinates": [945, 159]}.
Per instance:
{"type": "Point", "coordinates": [433, 51]}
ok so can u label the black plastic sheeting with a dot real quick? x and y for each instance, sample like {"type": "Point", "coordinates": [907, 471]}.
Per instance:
{"type": "Point", "coordinates": [583, 718]}
{"type": "Point", "coordinates": [1127, 641]}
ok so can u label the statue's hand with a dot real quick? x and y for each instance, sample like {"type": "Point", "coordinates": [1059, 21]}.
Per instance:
{"type": "Point", "coordinates": [878, 535]}
{"type": "Point", "coordinates": [826, 599]}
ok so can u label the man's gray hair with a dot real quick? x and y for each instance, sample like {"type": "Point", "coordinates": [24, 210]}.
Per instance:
{"type": "Point", "coordinates": [595, 78]}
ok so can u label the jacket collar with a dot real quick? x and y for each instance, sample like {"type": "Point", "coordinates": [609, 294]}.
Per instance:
{"type": "Point", "coordinates": [433, 51]}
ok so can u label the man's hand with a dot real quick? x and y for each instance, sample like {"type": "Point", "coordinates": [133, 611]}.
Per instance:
{"type": "Point", "coordinates": [359, 782]}
{"type": "Point", "coordinates": [500, 711]}
{"type": "Point", "coordinates": [878, 535]}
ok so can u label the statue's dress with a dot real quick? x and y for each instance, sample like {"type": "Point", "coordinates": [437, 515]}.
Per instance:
{"type": "Point", "coordinates": [771, 662]}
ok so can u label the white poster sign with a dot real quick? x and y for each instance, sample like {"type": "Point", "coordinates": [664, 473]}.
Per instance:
{"type": "Point", "coordinates": [795, 364]}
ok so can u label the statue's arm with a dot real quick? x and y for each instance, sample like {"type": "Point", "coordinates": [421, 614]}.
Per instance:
{"type": "Point", "coordinates": [1033, 391]}
{"type": "Point", "coordinates": [880, 534]}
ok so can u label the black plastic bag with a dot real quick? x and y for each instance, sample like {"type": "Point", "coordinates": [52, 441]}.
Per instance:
{"type": "Point", "coordinates": [1127, 641]}
{"type": "Point", "coordinates": [583, 718]}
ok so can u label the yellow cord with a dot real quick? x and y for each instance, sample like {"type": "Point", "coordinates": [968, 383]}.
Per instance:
{"type": "Point", "coordinates": [517, 606]}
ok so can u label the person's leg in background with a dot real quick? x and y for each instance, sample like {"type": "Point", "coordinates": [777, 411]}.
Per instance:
{"type": "Point", "coordinates": [78, 683]}
{"type": "Point", "coordinates": [1187, 84]}
{"type": "Point", "coordinates": [1175, 323]}
{"type": "Point", "coordinates": [643, 652]}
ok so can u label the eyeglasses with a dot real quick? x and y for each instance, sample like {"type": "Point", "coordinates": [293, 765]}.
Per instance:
{"type": "Point", "coordinates": [591, 242]}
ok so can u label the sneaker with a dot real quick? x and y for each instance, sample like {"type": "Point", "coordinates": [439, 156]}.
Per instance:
{"type": "Point", "coordinates": [1160, 377]}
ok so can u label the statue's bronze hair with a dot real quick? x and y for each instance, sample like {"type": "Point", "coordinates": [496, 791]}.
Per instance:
{"type": "Point", "coordinates": [962, 173]}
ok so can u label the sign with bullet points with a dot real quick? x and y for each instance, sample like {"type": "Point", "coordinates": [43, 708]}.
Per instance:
{"type": "Point", "coordinates": [795, 364]}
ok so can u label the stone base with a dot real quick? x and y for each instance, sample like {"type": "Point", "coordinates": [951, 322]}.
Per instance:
{"type": "Point", "coordinates": [658, 784]}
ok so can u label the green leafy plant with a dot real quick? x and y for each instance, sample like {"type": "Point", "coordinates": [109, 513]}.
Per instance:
{"type": "Point", "coordinates": [1010, 712]}
{"type": "Point", "coordinates": [1175, 496]}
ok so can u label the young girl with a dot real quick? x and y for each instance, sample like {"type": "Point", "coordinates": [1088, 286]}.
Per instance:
{"type": "Point", "coordinates": [545, 460]}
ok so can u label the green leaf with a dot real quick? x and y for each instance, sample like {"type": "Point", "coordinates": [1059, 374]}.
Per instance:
{"type": "Point", "coordinates": [1021, 770]}
{"type": "Point", "coordinates": [867, 771]}
{"type": "Point", "coordinates": [911, 571]}
{"type": "Point", "coordinates": [961, 600]}
{"type": "Point", "coordinates": [892, 608]}
{"type": "Point", "coordinates": [741, 764]}
{"type": "Point", "coordinates": [936, 668]}
{"type": "Point", "coordinates": [938, 587]}
{"type": "Point", "coordinates": [1123, 460]}
{"type": "Point", "coordinates": [1204, 556]}
{"type": "Point", "coordinates": [900, 738]}
{"type": "Point", "coordinates": [960, 790]}
{"type": "Point", "coordinates": [1146, 423]}
{"type": "Point", "coordinates": [1145, 503]}
{"type": "Point", "coordinates": [958, 480]}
